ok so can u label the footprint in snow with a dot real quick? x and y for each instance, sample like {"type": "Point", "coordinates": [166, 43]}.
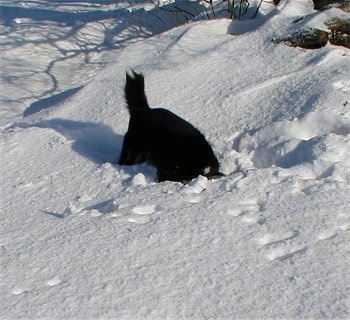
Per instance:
{"type": "Point", "coordinates": [342, 85]}
{"type": "Point", "coordinates": [248, 211]}
{"type": "Point", "coordinates": [333, 232]}
{"type": "Point", "coordinates": [282, 254]}
{"type": "Point", "coordinates": [17, 290]}
{"type": "Point", "coordinates": [96, 210]}
{"type": "Point", "coordinates": [281, 246]}
{"type": "Point", "coordinates": [276, 238]}
{"type": "Point", "coordinates": [53, 281]}
{"type": "Point", "coordinates": [194, 199]}
{"type": "Point", "coordinates": [143, 214]}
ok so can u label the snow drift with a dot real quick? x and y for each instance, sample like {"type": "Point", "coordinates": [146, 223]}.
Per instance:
{"type": "Point", "coordinates": [82, 237]}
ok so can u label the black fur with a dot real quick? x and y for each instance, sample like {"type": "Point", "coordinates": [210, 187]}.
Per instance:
{"type": "Point", "coordinates": [157, 136]}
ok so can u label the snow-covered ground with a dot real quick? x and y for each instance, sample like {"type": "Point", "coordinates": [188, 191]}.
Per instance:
{"type": "Point", "coordinates": [82, 237]}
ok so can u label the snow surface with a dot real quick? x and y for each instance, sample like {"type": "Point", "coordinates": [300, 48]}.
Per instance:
{"type": "Point", "coordinates": [82, 237]}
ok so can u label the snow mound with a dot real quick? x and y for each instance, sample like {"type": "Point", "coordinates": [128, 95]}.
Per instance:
{"type": "Point", "coordinates": [319, 138]}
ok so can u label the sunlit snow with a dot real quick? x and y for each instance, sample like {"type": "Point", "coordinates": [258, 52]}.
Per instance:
{"type": "Point", "coordinates": [82, 237]}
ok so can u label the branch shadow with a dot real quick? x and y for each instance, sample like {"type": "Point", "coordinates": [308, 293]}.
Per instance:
{"type": "Point", "coordinates": [9, 13]}
{"type": "Point", "coordinates": [250, 24]}
{"type": "Point", "coordinates": [49, 102]}
{"type": "Point", "coordinates": [70, 36]}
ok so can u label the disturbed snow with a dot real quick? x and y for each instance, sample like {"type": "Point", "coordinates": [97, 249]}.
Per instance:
{"type": "Point", "coordinates": [82, 237]}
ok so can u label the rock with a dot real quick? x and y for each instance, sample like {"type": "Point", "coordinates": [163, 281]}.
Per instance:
{"type": "Point", "coordinates": [339, 39]}
{"type": "Point", "coordinates": [339, 25]}
{"type": "Point", "coordinates": [340, 32]}
{"type": "Point", "coordinates": [309, 39]}
{"type": "Point", "coordinates": [323, 4]}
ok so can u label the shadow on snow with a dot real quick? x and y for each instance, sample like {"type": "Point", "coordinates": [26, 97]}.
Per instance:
{"type": "Point", "coordinates": [94, 141]}
{"type": "Point", "coordinates": [48, 102]}
{"type": "Point", "coordinates": [69, 37]}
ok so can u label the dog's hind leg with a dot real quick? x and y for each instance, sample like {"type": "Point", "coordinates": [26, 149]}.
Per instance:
{"type": "Point", "coordinates": [131, 152]}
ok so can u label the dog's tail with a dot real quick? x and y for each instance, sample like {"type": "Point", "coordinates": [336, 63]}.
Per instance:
{"type": "Point", "coordinates": [134, 91]}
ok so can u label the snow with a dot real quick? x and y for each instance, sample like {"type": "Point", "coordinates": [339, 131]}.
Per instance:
{"type": "Point", "coordinates": [82, 237]}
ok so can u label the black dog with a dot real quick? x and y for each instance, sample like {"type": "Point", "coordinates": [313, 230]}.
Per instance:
{"type": "Point", "coordinates": [157, 136]}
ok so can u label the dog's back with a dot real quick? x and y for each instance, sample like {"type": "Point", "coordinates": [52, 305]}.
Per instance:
{"type": "Point", "coordinates": [174, 146]}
